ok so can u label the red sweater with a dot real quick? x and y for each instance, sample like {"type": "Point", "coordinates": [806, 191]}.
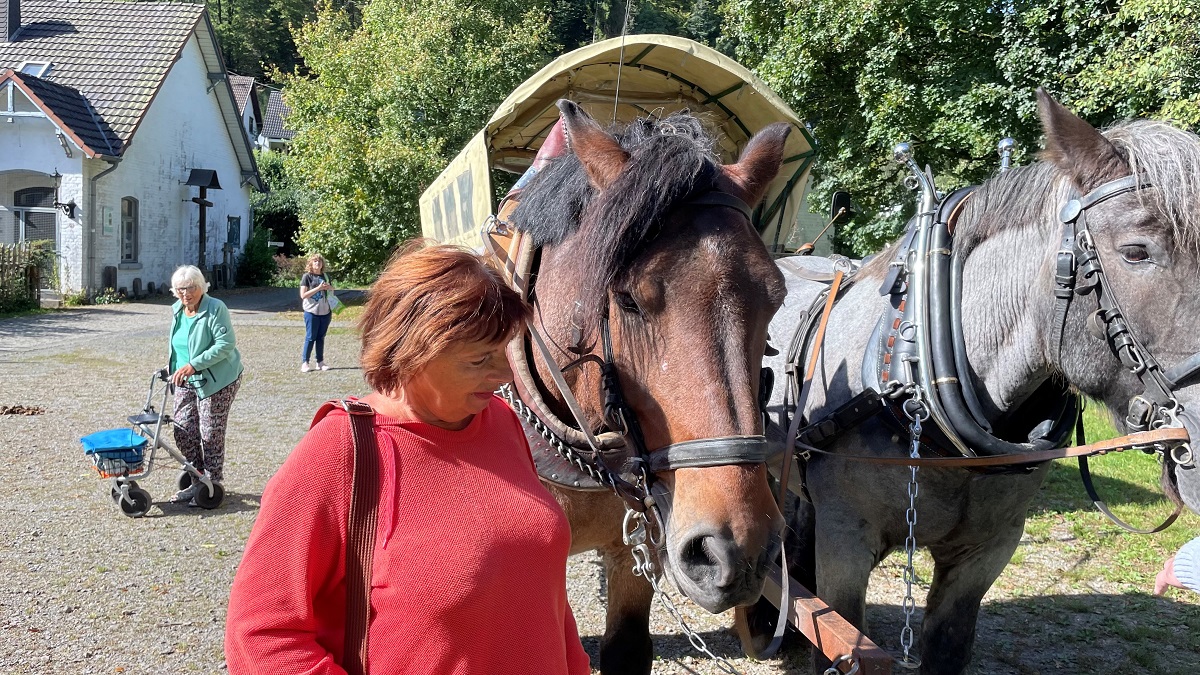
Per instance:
{"type": "Point", "coordinates": [469, 571]}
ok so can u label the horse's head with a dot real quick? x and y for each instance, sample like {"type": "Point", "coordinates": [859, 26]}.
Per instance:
{"type": "Point", "coordinates": [644, 243]}
{"type": "Point", "coordinates": [1148, 243]}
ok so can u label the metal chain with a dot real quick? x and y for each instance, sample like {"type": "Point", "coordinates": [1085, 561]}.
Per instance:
{"type": "Point", "coordinates": [635, 530]}
{"type": "Point", "coordinates": [916, 411]}
{"type": "Point", "coordinates": [597, 472]}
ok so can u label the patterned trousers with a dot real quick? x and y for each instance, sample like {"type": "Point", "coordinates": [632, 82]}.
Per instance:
{"type": "Point", "coordinates": [200, 430]}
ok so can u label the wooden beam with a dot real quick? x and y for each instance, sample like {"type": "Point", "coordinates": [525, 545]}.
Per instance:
{"type": "Point", "coordinates": [830, 634]}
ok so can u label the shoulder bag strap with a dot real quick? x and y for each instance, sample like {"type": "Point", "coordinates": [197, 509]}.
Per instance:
{"type": "Point", "coordinates": [360, 536]}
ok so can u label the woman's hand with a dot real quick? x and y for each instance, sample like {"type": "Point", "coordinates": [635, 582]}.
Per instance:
{"type": "Point", "coordinates": [1167, 577]}
{"type": "Point", "coordinates": [181, 375]}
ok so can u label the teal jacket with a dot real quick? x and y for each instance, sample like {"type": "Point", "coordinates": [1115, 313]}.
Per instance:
{"type": "Point", "coordinates": [211, 344]}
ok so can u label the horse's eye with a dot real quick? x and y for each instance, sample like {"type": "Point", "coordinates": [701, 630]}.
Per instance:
{"type": "Point", "coordinates": [1135, 253]}
{"type": "Point", "coordinates": [626, 302]}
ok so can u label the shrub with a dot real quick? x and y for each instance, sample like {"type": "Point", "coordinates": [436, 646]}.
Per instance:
{"type": "Point", "coordinates": [75, 298]}
{"type": "Point", "coordinates": [289, 270]}
{"type": "Point", "coordinates": [256, 267]}
{"type": "Point", "coordinates": [110, 296]}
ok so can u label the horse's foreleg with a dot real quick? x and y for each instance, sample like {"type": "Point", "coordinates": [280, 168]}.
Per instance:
{"type": "Point", "coordinates": [844, 563]}
{"type": "Point", "coordinates": [626, 648]}
{"type": "Point", "coordinates": [961, 577]}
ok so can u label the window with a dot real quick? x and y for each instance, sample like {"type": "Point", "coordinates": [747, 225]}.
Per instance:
{"type": "Point", "coordinates": [34, 215]}
{"type": "Point", "coordinates": [35, 68]}
{"type": "Point", "coordinates": [235, 230]}
{"type": "Point", "coordinates": [129, 229]}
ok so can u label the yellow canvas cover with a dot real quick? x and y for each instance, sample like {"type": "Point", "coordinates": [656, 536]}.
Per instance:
{"type": "Point", "coordinates": [659, 75]}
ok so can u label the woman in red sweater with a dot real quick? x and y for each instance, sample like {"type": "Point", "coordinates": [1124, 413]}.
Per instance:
{"type": "Point", "coordinates": [469, 566]}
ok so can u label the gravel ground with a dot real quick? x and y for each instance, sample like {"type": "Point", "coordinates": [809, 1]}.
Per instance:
{"type": "Point", "coordinates": [87, 590]}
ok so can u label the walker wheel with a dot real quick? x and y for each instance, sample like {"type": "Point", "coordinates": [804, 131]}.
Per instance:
{"type": "Point", "coordinates": [185, 480]}
{"type": "Point", "coordinates": [116, 492]}
{"type": "Point", "coordinates": [137, 504]}
{"type": "Point", "coordinates": [204, 501]}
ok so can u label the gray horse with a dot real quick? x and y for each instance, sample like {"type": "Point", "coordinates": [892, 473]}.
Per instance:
{"type": "Point", "coordinates": [1148, 241]}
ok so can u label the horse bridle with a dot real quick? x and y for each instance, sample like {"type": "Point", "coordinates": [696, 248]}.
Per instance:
{"type": "Point", "coordinates": [1079, 271]}
{"type": "Point", "coordinates": [622, 422]}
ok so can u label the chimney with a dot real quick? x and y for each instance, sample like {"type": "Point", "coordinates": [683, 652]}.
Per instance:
{"type": "Point", "coordinates": [10, 19]}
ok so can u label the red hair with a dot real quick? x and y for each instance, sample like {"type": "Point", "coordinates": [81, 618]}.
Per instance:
{"type": "Point", "coordinates": [428, 298]}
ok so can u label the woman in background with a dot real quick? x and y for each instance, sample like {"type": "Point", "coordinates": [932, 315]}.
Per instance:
{"type": "Point", "coordinates": [314, 295]}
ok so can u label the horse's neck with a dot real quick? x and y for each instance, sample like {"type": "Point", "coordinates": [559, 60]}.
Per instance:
{"type": "Point", "coordinates": [1007, 307]}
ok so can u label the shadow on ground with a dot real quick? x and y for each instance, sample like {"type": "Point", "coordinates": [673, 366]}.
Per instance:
{"type": "Point", "coordinates": [233, 503]}
{"type": "Point", "coordinates": [1101, 634]}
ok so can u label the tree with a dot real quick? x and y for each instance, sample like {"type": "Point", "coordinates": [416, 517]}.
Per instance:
{"type": "Point", "coordinates": [256, 35]}
{"type": "Point", "coordinates": [955, 76]}
{"type": "Point", "coordinates": [278, 209]}
{"type": "Point", "coordinates": [388, 103]}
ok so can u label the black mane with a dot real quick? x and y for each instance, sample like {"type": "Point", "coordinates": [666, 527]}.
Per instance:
{"type": "Point", "coordinates": [670, 160]}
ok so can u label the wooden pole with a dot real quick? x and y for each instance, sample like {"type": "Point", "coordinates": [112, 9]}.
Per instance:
{"type": "Point", "coordinates": [830, 634]}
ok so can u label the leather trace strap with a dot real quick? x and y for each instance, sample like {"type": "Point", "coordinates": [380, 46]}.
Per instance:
{"type": "Point", "coordinates": [1166, 436]}
{"type": "Point", "coordinates": [785, 469]}
{"type": "Point", "coordinates": [360, 535]}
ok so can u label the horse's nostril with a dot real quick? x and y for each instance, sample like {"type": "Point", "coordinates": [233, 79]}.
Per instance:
{"type": "Point", "coordinates": [705, 561]}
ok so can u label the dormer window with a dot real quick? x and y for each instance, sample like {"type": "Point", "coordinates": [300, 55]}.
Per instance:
{"type": "Point", "coordinates": [35, 68]}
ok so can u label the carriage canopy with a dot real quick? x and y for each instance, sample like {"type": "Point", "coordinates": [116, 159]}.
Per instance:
{"type": "Point", "coordinates": [658, 75]}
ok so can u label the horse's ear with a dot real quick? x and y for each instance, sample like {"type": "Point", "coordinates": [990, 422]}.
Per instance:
{"type": "Point", "coordinates": [602, 157]}
{"type": "Point", "coordinates": [759, 163]}
{"type": "Point", "coordinates": [1076, 147]}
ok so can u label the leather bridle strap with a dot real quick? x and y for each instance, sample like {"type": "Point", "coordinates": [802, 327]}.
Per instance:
{"type": "Point", "coordinates": [706, 452]}
{"type": "Point", "coordinates": [717, 198]}
{"type": "Point", "coordinates": [1074, 223]}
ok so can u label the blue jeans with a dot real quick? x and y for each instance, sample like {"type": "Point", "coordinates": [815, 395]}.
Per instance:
{"type": "Point", "coordinates": [315, 327]}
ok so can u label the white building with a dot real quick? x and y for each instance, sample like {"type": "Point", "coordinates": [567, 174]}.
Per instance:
{"type": "Point", "coordinates": [275, 135]}
{"type": "Point", "coordinates": [108, 110]}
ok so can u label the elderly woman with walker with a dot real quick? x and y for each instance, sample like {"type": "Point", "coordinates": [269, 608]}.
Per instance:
{"type": "Point", "coordinates": [206, 370]}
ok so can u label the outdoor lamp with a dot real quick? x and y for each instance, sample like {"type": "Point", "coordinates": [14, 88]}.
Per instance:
{"type": "Point", "coordinates": [68, 208]}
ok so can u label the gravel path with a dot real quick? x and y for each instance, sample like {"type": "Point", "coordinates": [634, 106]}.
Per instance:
{"type": "Point", "coordinates": [87, 590]}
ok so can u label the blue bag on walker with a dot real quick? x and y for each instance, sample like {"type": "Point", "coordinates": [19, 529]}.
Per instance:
{"type": "Point", "coordinates": [122, 444]}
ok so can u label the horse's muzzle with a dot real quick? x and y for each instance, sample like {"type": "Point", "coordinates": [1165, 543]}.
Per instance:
{"type": "Point", "coordinates": [717, 573]}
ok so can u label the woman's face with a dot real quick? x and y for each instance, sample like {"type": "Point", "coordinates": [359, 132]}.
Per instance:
{"type": "Point", "coordinates": [456, 385]}
{"type": "Point", "coordinates": [189, 294]}
{"type": "Point", "coordinates": [318, 265]}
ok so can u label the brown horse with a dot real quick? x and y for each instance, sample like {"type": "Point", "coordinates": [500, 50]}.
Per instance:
{"type": "Point", "coordinates": [642, 238]}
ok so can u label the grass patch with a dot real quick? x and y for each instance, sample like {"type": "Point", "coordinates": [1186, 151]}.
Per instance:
{"type": "Point", "coordinates": [1129, 483]}
{"type": "Point", "coordinates": [25, 312]}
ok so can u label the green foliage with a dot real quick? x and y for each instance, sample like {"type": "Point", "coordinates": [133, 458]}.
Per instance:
{"type": "Point", "coordinates": [288, 271]}
{"type": "Point", "coordinates": [21, 265]}
{"type": "Point", "coordinates": [391, 101]}
{"type": "Point", "coordinates": [75, 298]}
{"type": "Point", "coordinates": [256, 266]}
{"type": "Point", "coordinates": [278, 209]}
{"type": "Point", "coordinates": [256, 35]}
{"type": "Point", "coordinates": [955, 76]}
{"type": "Point", "coordinates": [109, 296]}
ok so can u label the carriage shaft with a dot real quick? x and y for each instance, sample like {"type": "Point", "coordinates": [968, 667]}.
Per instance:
{"type": "Point", "coordinates": [825, 628]}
